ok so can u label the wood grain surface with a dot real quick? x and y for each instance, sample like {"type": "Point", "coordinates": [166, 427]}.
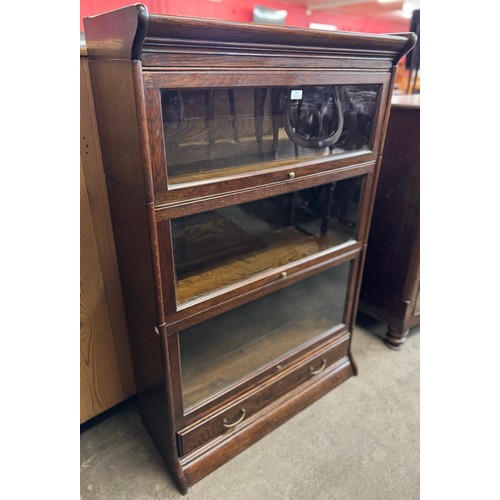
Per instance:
{"type": "Point", "coordinates": [103, 383]}
{"type": "Point", "coordinates": [285, 247]}
{"type": "Point", "coordinates": [100, 384]}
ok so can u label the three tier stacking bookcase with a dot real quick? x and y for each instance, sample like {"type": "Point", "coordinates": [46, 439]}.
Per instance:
{"type": "Point", "coordinates": [241, 164]}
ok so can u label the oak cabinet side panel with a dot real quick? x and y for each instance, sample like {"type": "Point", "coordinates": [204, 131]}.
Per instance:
{"type": "Point", "coordinates": [100, 383]}
{"type": "Point", "coordinates": [114, 97]}
{"type": "Point", "coordinates": [133, 245]}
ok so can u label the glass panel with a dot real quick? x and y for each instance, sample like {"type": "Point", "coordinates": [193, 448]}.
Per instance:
{"type": "Point", "coordinates": [222, 350]}
{"type": "Point", "coordinates": [216, 132]}
{"type": "Point", "coordinates": [216, 249]}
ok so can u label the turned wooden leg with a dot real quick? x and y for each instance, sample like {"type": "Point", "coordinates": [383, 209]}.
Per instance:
{"type": "Point", "coordinates": [395, 337]}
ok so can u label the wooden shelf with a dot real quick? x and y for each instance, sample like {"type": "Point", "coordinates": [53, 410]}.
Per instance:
{"type": "Point", "coordinates": [199, 167]}
{"type": "Point", "coordinates": [269, 252]}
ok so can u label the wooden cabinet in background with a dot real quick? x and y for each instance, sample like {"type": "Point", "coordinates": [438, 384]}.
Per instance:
{"type": "Point", "coordinates": [106, 374]}
{"type": "Point", "coordinates": [390, 290]}
{"type": "Point", "coordinates": [241, 163]}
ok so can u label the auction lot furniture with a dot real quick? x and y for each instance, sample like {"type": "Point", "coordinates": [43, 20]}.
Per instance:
{"type": "Point", "coordinates": [390, 290]}
{"type": "Point", "coordinates": [241, 163]}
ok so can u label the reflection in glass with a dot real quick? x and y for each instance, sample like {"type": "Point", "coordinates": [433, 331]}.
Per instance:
{"type": "Point", "coordinates": [216, 132]}
{"type": "Point", "coordinates": [219, 248]}
{"type": "Point", "coordinates": [222, 350]}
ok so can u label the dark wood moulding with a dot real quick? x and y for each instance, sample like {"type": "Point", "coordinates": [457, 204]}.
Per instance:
{"type": "Point", "coordinates": [131, 31]}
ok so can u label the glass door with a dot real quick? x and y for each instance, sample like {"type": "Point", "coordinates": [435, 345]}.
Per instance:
{"type": "Point", "coordinates": [211, 133]}
{"type": "Point", "coordinates": [220, 352]}
{"type": "Point", "coordinates": [218, 248]}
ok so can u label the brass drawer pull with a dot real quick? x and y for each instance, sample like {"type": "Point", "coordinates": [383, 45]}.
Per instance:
{"type": "Point", "coordinates": [234, 424]}
{"type": "Point", "coordinates": [320, 369]}
{"type": "Point", "coordinates": [291, 175]}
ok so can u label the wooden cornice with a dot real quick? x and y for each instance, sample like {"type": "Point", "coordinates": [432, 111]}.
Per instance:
{"type": "Point", "coordinates": [130, 32]}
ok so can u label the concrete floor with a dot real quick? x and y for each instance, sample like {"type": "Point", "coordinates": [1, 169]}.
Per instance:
{"type": "Point", "coordinates": [359, 442]}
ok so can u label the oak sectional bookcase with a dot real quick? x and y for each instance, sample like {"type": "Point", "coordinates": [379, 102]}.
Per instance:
{"type": "Point", "coordinates": [241, 164]}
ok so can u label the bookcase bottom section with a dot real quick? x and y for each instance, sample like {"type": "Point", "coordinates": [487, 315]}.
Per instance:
{"type": "Point", "coordinates": [194, 466]}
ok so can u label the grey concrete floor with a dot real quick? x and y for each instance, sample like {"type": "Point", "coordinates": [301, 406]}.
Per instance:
{"type": "Point", "coordinates": [359, 442]}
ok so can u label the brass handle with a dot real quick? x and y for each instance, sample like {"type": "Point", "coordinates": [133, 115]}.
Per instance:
{"type": "Point", "coordinates": [291, 175]}
{"type": "Point", "coordinates": [320, 369]}
{"type": "Point", "coordinates": [283, 275]}
{"type": "Point", "coordinates": [234, 424]}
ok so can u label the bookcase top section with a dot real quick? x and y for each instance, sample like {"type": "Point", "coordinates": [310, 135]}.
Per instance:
{"type": "Point", "coordinates": [128, 32]}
